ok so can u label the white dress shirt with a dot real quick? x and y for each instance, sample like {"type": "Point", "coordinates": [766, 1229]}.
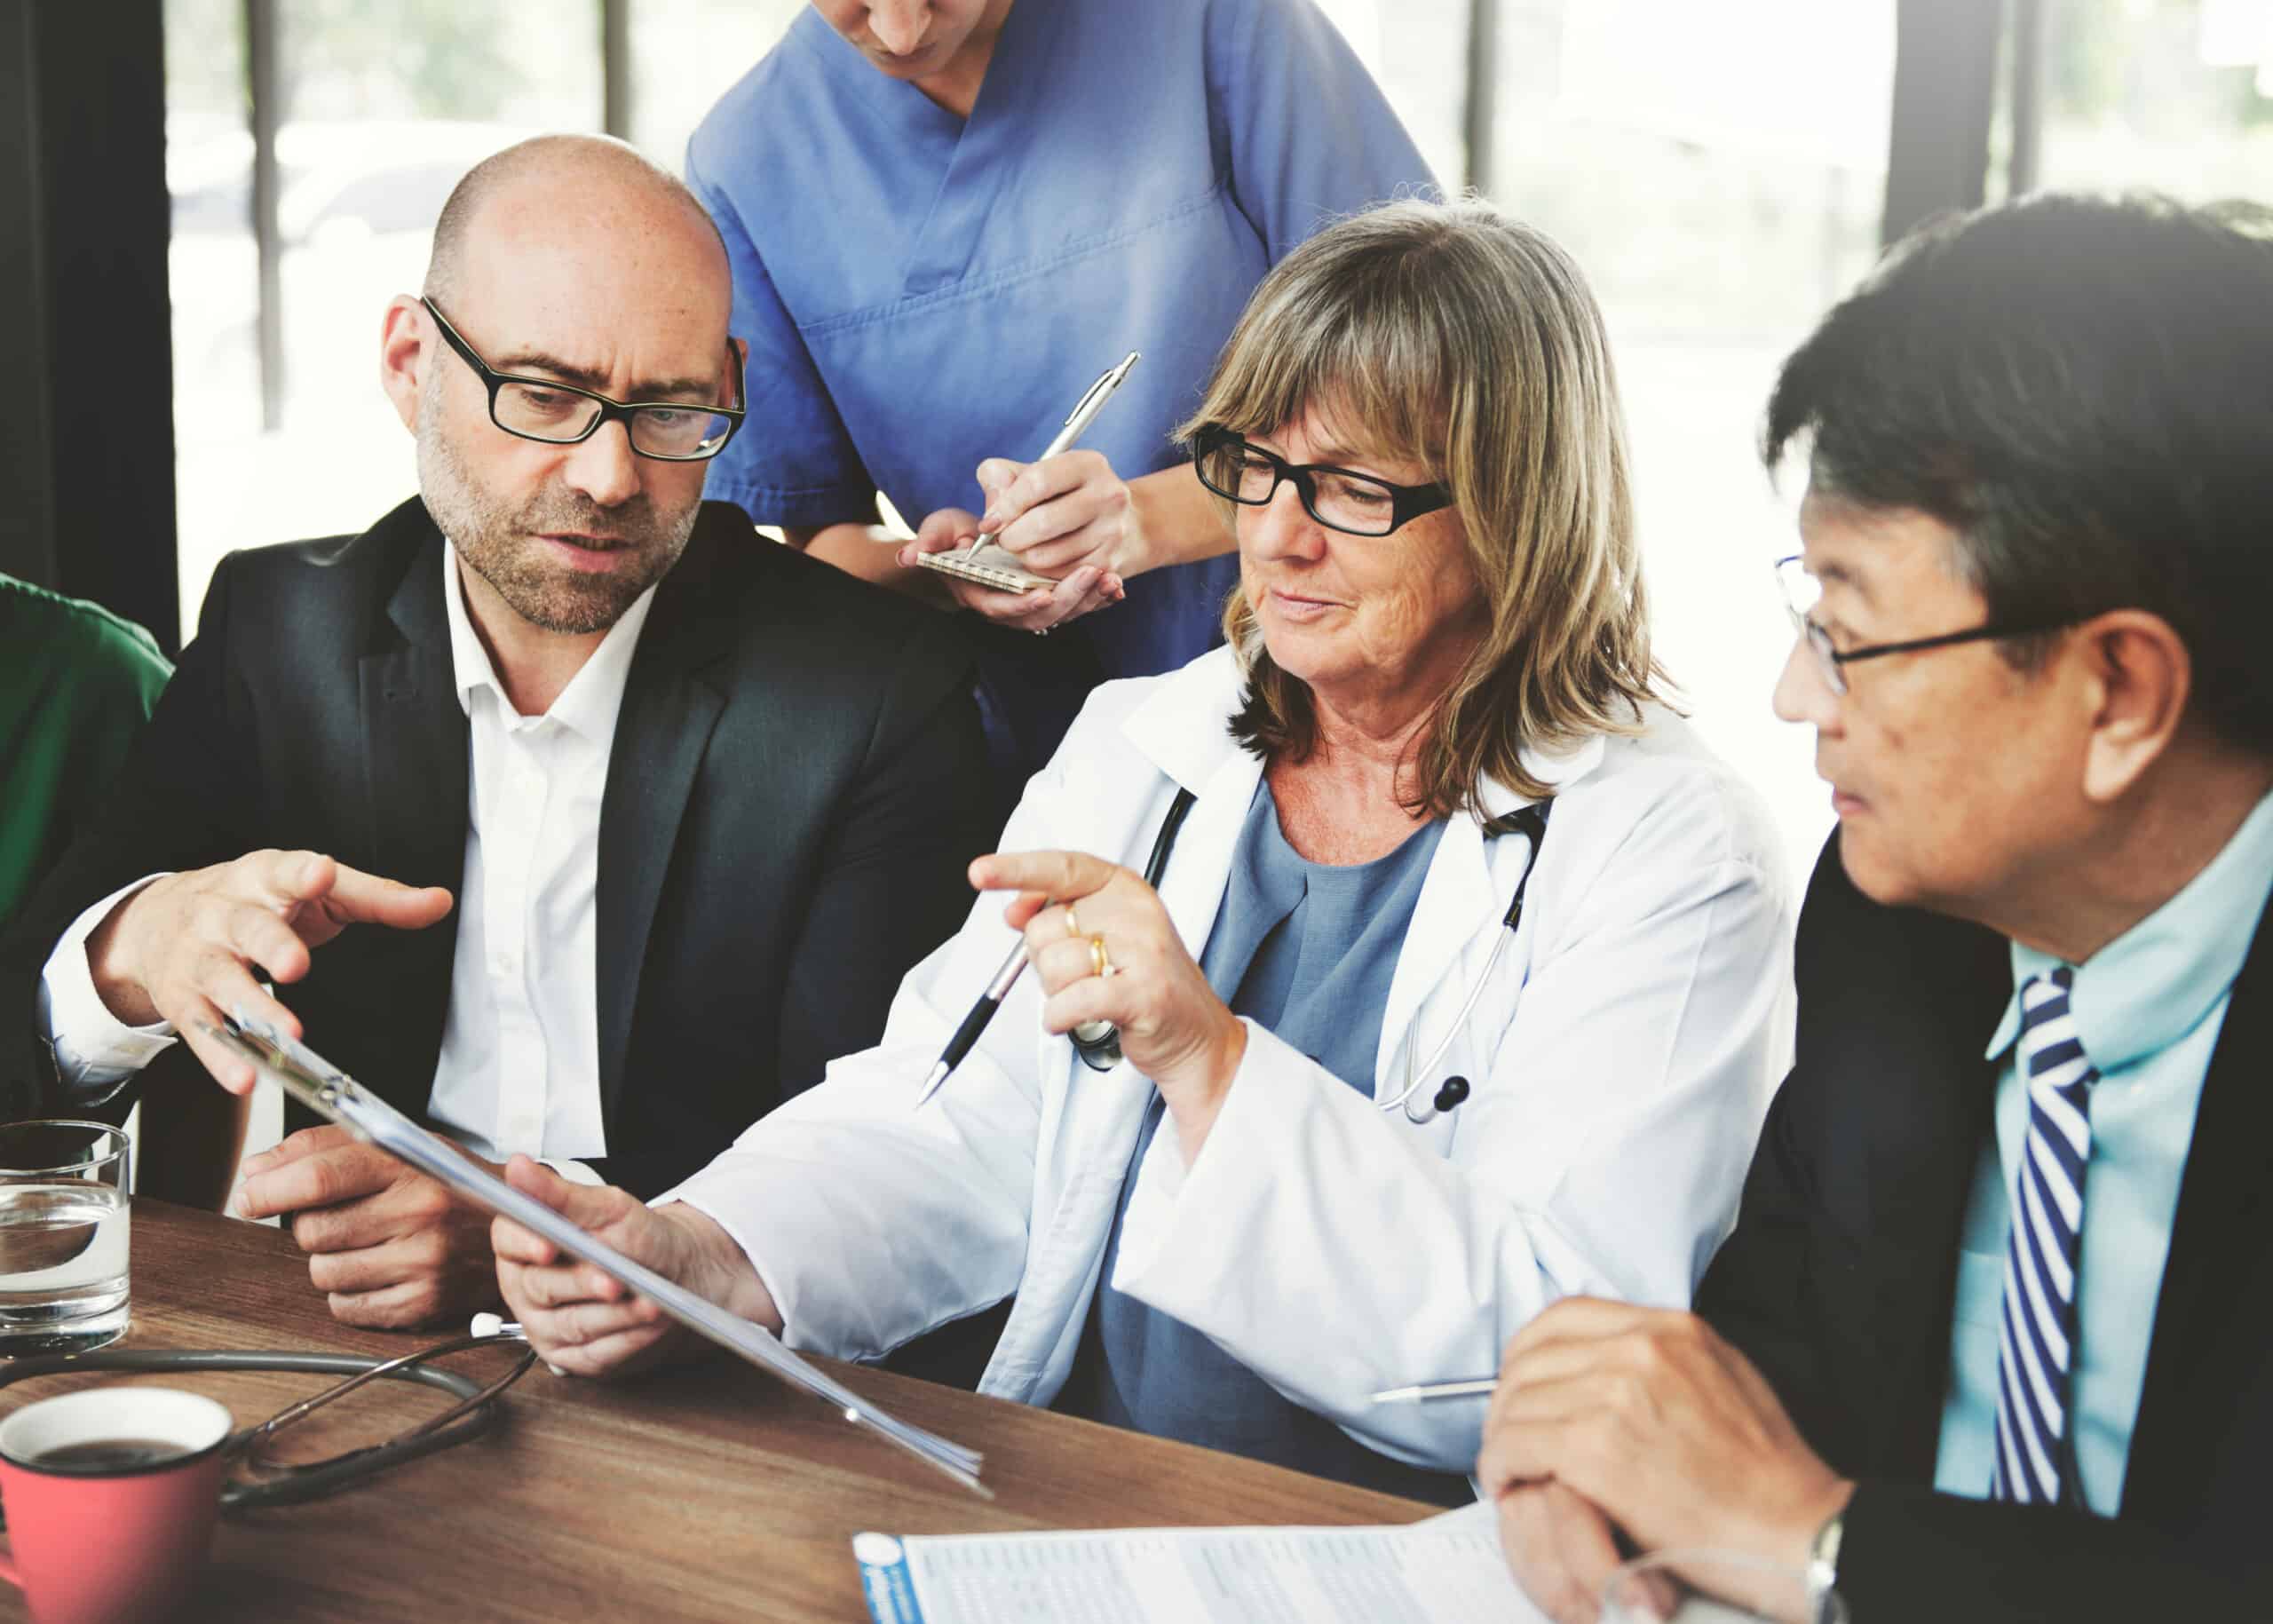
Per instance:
{"type": "Point", "coordinates": [520, 1063]}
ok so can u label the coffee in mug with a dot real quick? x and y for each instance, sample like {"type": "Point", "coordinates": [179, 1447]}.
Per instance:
{"type": "Point", "coordinates": [108, 1454]}
{"type": "Point", "coordinates": [111, 1494]}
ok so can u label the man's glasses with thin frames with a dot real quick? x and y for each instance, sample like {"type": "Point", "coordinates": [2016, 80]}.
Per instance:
{"type": "Point", "coordinates": [560, 414]}
{"type": "Point", "coordinates": [1802, 593]}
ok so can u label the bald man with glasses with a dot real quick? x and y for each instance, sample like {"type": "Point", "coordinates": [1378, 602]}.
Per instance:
{"type": "Point", "coordinates": [562, 808]}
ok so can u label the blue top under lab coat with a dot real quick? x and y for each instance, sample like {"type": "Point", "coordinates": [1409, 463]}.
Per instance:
{"type": "Point", "coordinates": [921, 292]}
{"type": "Point", "coordinates": [1308, 951]}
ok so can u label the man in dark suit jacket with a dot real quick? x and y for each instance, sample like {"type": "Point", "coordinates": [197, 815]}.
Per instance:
{"type": "Point", "coordinates": [638, 817]}
{"type": "Point", "coordinates": [1991, 1338]}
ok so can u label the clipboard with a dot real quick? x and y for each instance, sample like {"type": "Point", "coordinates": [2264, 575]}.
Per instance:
{"type": "Point", "coordinates": [988, 565]}
{"type": "Point", "coordinates": [332, 1094]}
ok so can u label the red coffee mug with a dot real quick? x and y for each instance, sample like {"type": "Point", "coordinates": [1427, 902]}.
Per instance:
{"type": "Point", "coordinates": [110, 1543]}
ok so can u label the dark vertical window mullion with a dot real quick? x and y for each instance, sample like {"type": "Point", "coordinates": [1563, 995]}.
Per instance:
{"type": "Point", "coordinates": [26, 450]}
{"type": "Point", "coordinates": [1479, 119]}
{"type": "Point", "coordinates": [263, 82]}
{"type": "Point", "coordinates": [1944, 87]}
{"type": "Point", "coordinates": [88, 422]}
{"type": "Point", "coordinates": [2023, 161]}
{"type": "Point", "coordinates": [615, 68]}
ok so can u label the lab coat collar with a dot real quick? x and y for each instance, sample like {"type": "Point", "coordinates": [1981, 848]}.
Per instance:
{"type": "Point", "coordinates": [1183, 728]}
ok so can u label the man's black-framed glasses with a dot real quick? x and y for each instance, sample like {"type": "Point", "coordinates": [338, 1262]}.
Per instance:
{"type": "Point", "coordinates": [1339, 498]}
{"type": "Point", "coordinates": [1803, 591]}
{"type": "Point", "coordinates": [563, 415]}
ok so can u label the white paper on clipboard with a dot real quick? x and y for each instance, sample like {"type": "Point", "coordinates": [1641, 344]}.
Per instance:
{"type": "Point", "coordinates": [1448, 1568]}
{"type": "Point", "coordinates": [329, 1092]}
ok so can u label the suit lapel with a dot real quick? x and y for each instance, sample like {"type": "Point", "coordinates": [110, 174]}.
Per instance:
{"type": "Point", "coordinates": [415, 734]}
{"type": "Point", "coordinates": [414, 764]}
{"type": "Point", "coordinates": [662, 733]}
{"type": "Point", "coordinates": [2209, 1319]}
{"type": "Point", "coordinates": [1886, 1115]}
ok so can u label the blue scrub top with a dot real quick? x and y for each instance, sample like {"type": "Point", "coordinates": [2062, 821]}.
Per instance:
{"type": "Point", "coordinates": [1306, 950]}
{"type": "Point", "coordinates": [921, 292]}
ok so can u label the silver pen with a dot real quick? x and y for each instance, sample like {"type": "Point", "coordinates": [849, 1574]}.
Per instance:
{"type": "Point", "coordinates": [1429, 1393]}
{"type": "Point", "coordinates": [1077, 423]}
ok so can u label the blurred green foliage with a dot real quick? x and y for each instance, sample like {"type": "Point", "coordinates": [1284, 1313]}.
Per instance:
{"type": "Point", "coordinates": [349, 58]}
{"type": "Point", "coordinates": [2134, 59]}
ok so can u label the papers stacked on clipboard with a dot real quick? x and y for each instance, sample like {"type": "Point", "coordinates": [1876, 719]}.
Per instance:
{"type": "Point", "coordinates": [329, 1092]}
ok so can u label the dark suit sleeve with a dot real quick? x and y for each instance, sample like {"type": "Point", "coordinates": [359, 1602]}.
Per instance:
{"type": "Point", "coordinates": [891, 885]}
{"type": "Point", "coordinates": [179, 803]}
{"type": "Point", "coordinates": [1751, 1293]}
{"type": "Point", "coordinates": [1911, 1554]}
{"type": "Point", "coordinates": [1838, 1280]}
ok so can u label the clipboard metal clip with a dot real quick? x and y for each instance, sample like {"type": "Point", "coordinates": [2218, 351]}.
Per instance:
{"type": "Point", "coordinates": [296, 1068]}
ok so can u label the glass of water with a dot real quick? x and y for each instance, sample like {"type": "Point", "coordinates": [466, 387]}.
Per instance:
{"type": "Point", "coordinates": [63, 1223]}
{"type": "Point", "coordinates": [1717, 1587]}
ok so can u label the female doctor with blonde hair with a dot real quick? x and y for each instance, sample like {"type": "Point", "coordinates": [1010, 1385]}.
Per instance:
{"type": "Point", "coordinates": [1277, 1199]}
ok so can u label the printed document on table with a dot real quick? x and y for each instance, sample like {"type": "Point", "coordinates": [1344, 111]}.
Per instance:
{"type": "Point", "coordinates": [1447, 1569]}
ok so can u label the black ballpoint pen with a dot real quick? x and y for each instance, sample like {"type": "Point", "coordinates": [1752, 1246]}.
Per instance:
{"type": "Point", "coordinates": [974, 1023]}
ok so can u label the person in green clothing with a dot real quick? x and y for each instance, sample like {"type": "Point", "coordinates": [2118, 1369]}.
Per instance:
{"type": "Point", "coordinates": [76, 684]}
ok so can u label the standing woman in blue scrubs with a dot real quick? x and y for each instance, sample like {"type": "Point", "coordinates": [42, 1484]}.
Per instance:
{"type": "Point", "coordinates": [947, 218]}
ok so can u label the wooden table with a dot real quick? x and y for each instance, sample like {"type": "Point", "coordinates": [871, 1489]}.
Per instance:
{"type": "Point", "coordinates": [708, 1491]}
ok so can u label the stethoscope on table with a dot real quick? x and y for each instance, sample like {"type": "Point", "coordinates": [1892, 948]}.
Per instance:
{"type": "Point", "coordinates": [1098, 1042]}
{"type": "Point", "coordinates": [478, 1409]}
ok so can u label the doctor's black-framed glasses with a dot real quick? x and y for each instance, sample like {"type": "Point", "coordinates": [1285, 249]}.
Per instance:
{"type": "Point", "coordinates": [1339, 498]}
{"type": "Point", "coordinates": [1803, 591]}
{"type": "Point", "coordinates": [557, 414]}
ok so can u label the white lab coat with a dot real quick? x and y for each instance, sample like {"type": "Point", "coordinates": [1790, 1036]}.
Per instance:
{"type": "Point", "coordinates": [1622, 1058]}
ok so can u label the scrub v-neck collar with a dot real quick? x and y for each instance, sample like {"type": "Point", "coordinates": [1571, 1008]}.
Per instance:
{"type": "Point", "coordinates": [972, 158]}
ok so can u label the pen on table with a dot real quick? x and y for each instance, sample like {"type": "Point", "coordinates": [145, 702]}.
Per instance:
{"type": "Point", "coordinates": [974, 1023]}
{"type": "Point", "coordinates": [1429, 1393]}
{"type": "Point", "coordinates": [1077, 422]}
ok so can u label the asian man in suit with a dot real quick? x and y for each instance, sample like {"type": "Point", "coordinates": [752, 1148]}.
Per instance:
{"type": "Point", "coordinates": [1993, 1337]}
{"type": "Point", "coordinates": [559, 807]}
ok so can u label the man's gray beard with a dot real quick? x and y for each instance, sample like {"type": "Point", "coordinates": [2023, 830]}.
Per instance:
{"type": "Point", "coordinates": [503, 546]}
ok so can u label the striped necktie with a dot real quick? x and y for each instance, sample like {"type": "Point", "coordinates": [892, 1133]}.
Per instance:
{"type": "Point", "coordinates": [2036, 1346]}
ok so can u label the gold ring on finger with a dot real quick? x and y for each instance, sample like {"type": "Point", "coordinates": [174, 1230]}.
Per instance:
{"type": "Point", "coordinates": [1073, 924]}
{"type": "Point", "coordinates": [1097, 960]}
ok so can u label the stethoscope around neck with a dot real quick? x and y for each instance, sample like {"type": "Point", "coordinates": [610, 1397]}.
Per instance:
{"type": "Point", "coordinates": [1098, 1042]}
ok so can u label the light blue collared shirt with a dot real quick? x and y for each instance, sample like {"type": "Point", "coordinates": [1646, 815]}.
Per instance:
{"type": "Point", "coordinates": [2147, 1008]}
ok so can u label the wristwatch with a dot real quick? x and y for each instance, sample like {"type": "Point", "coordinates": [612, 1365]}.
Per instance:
{"type": "Point", "coordinates": [1823, 1555]}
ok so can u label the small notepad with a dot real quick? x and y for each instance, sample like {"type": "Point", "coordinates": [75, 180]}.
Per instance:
{"type": "Point", "coordinates": [988, 566]}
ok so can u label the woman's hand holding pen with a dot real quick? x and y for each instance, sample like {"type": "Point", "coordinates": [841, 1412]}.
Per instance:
{"type": "Point", "coordinates": [1105, 949]}
{"type": "Point", "coordinates": [585, 1323]}
{"type": "Point", "coordinates": [1065, 512]}
{"type": "Point", "coordinates": [1068, 516]}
